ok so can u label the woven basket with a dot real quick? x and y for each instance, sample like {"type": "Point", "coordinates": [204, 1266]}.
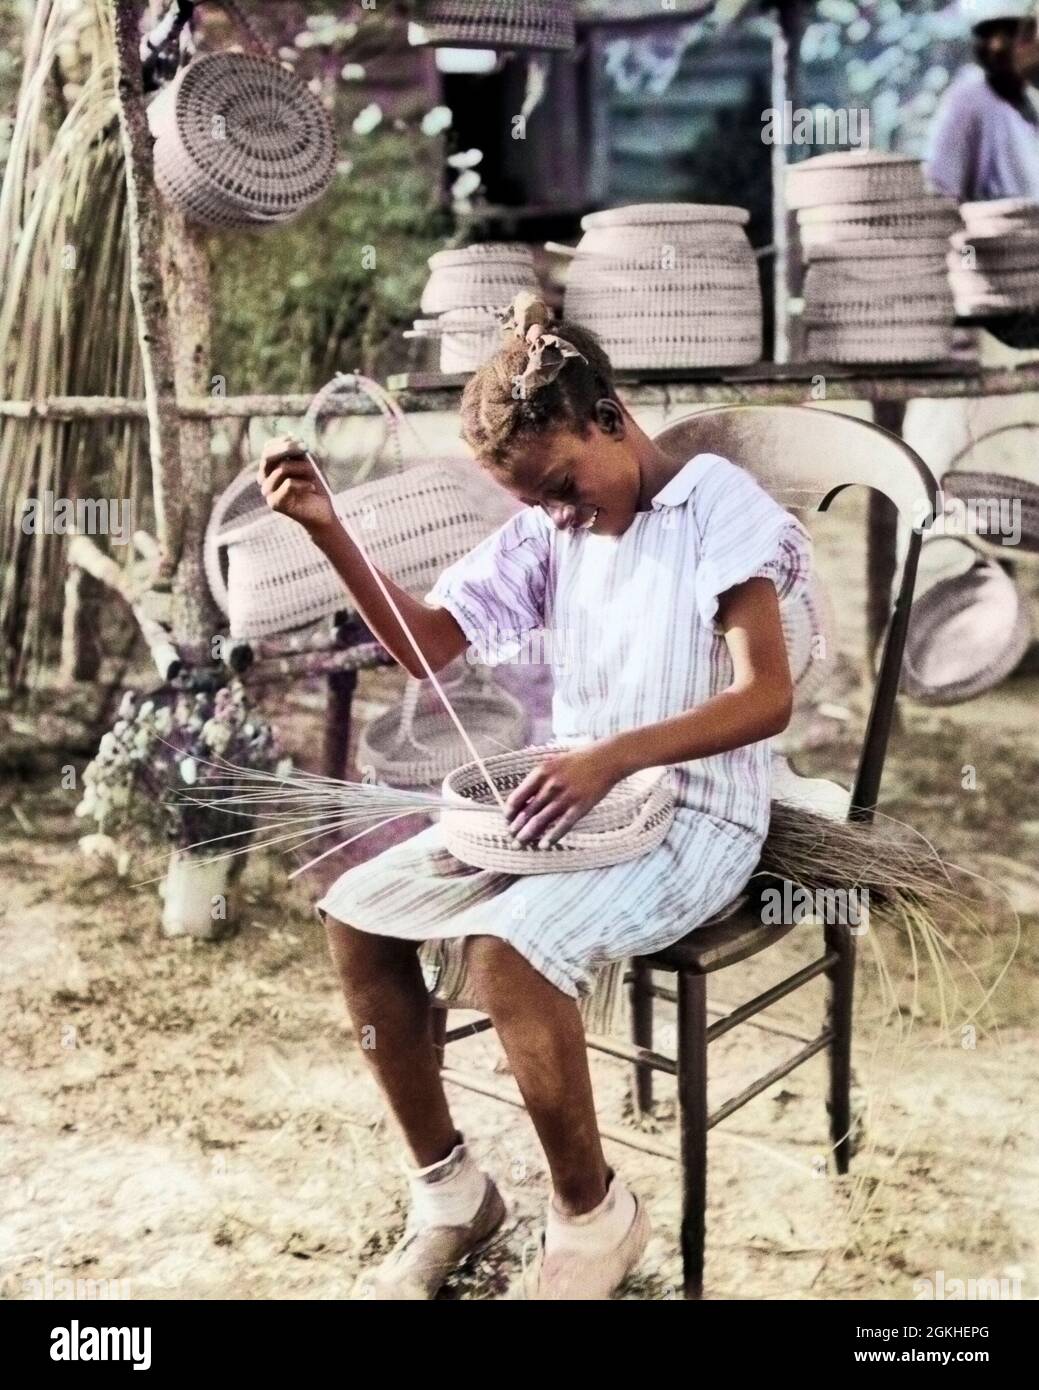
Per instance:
{"type": "Point", "coordinates": [926, 343]}
{"type": "Point", "coordinates": [929, 248]}
{"type": "Point", "coordinates": [469, 338]}
{"type": "Point", "coordinates": [931, 208]}
{"type": "Point", "coordinates": [836, 280]}
{"type": "Point", "coordinates": [631, 820]}
{"type": "Point", "coordinates": [668, 285]}
{"type": "Point", "coordinates": [534, 24]}
{"type": "Point", "coordinates": [898, 314]}
{"type": "Point", "coordinates": [240, 142]}
{"type": "Point", "coordinates": [483, 275]}
{"type": "Point", "coordinates": [966, 485]}
{"type": "Point", "coordinates": [935, 229]}
{"type": "Point", "coordinates": [854, 176]}
{"type": "Point", "coordinates": [966, 635]}
{"type": "Point", "coordinates": [418, 745]}
{"type": "Point", "coordinates": [269, 577]}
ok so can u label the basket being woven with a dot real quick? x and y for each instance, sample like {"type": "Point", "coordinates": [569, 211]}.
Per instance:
{"type": "Point", "coordinates": [240, 142]}
{"type": "Point", "coordinates": [533, 24]}
{"type": "Point", "coordinates": [631, 820]}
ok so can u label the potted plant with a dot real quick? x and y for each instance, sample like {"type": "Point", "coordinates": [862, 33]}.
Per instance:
{"type": "Point", "coordinates": [160, 775]}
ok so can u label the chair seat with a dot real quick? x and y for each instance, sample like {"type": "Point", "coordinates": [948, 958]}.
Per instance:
{"type": "Point", "coordinates": [719, 942]}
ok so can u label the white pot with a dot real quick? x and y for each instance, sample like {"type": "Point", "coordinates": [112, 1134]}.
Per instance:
{"type": "Point", "coordinates": [195, 897]}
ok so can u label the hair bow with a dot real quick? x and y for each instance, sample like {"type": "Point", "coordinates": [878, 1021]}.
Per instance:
{"type": "Point", "coordinates": [547, 353]}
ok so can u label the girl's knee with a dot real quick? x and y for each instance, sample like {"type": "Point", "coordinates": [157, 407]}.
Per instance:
{"type": "Point", "coordinates": [496, 970]}
{"type": "Point", "coordinates": [359, 954]}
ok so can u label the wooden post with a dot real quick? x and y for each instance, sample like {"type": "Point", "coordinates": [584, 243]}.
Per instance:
{"type": "Point", "coordinates": [80, 635]}
{"type": "Point", "coordinates": [786, 45]}
{"type": "Point", "coordinates": [145, 230]}
{"type": "Point", "coordinates": [185, 268]}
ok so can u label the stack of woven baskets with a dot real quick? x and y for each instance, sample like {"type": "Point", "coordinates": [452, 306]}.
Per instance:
{"type": "Point", "coordinates": [511, 24]}
{"type": "Point", "coordinates": [464, 289]}
{"type": "Point", "coordinates": [874, 240]}
{"type": "Point", "coordinates": [994, 261]}
{"type": "Point", "coordinates": [240, 142]}
{"type": "Point", "coordinates": [668, 285]}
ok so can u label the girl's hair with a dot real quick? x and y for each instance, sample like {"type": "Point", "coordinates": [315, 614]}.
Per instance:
{"type": "Point", "coordinates": [499, 409]}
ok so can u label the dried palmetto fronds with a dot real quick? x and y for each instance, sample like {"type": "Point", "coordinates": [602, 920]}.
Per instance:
{"type": "Point", "coordinates": [66, 316]}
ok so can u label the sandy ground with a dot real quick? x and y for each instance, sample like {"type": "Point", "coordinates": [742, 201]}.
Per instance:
{"type": "Point", "coordinates": [192, 1120]}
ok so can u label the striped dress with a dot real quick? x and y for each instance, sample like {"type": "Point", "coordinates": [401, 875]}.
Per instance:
{"type": "Point", "coordinates": [628, 623]}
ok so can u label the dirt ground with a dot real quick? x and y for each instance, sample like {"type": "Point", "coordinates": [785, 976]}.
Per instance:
{"type": "Point", "coordinates": [192, 1120]}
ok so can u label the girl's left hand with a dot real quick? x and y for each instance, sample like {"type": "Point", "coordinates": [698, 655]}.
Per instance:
{"type": "Point", "coordinates": [560, 790]}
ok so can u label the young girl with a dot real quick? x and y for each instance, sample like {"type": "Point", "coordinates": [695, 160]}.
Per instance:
{"type": "Point", "coordinates": [664, 576]}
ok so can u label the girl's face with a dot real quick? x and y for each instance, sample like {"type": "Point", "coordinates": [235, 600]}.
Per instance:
{"type": "Point", "coordinates": [588, 482]}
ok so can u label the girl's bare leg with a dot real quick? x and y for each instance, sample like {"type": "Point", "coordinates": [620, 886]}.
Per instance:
{"type": "Point", "coordinates": [388, 1003]}
{"type": "Point", "coordinates": [541, 1031]}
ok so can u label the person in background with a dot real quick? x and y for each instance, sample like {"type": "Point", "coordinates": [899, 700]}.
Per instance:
{"type": "Point", "coordinates": [985, 140]}
{"type": "Point", "coordinates": [984, 145]}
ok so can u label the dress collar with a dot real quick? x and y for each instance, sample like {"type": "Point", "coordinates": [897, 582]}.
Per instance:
{"type": "Point", "coordinates": [680, 487]}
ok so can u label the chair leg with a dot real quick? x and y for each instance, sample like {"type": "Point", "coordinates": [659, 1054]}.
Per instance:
{"type": "Point", "coordinates": [692, 1119]}
{"type": "Point", "coordinates": [841, 977]}
{"type": "Point", "coordinates": [642, 1034]}
{"type": "Point", "coordinates": [438, 1023]}
{"type": "Point", "coordinates": [341, 687]}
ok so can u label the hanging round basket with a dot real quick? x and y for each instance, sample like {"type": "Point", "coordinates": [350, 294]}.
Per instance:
{"type": "Point", "coordinates": [509, 24]}
{"type": "Point", "coordinates": [632, 819]}
{"type": "Point", "coordinates": [240, 142]}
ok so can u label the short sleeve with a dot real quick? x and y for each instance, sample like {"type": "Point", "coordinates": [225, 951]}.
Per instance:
{"type": "Point", "coordinates": [745, 534]}
{"type": "Point", "coordinates": [496, 593]}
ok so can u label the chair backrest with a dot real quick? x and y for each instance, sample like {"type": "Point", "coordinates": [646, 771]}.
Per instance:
{"type": "Point", "coordinates": [804, 456]}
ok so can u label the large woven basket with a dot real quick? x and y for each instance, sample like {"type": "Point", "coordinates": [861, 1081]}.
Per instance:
{"type": "Point", "coordinates": [519, 24]}
{"type": "Point", "coordinates": [240, 142]}
{"type": "Point", "coordinates": [418, 744]}
{"type": "Point", "coordinates": [631, 820]}
{"type": "Point", "coordinates": [896, 343]}
{"type": "Point", "coordinates": [668, 285]}
{"type": "Point", "coordinates": [269, 577]}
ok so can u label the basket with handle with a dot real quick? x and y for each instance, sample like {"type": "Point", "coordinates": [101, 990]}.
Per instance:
{"type": "Point", "coordinates": [632, 819]}
{"type": "Point", "coordinates": [269, 577]}
{"type": "Point", "coordinates": [417, 745]}
{"type": "Point", "coordinates": [240, 142]}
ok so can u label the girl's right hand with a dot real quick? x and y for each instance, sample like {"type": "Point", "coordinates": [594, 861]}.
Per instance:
{"type": "Point", "coordinates": [288, 484]}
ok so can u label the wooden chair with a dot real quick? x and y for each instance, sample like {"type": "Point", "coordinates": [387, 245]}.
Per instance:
{"type": "Point", "coordinates": [804, 457]}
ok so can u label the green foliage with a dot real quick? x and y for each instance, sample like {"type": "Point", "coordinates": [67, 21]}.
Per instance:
{"type": "Point", "coordinates": [334, 290]}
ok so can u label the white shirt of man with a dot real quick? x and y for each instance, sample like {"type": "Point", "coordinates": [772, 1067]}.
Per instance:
{"type": "Point", "coordinates": [982, 147]}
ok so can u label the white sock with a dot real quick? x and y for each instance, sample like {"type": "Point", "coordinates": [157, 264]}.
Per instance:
{"type": "Point", "coordinates": [596, 1231]}
{"type": "Point", "coordinates": [448, 1192]}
